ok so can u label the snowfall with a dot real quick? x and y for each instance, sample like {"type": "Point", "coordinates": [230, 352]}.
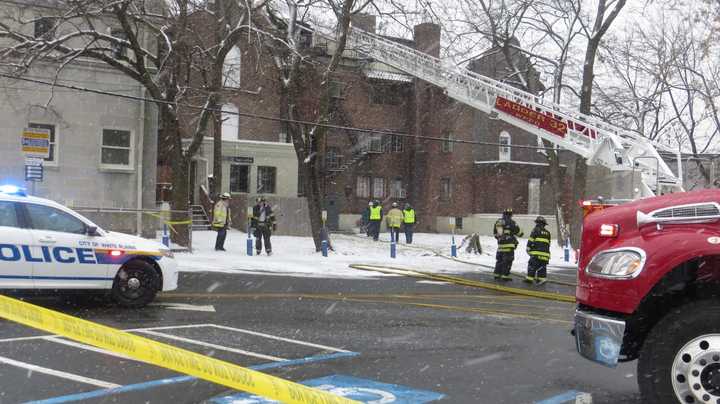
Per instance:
{"type": "Point", "coordinates": [296, 256]}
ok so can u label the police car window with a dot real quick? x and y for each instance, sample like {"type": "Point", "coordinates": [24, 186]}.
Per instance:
{"type": "Point", "coordinates": [8, 215]}
{"type": "Point", "coordinates": [48, 218]}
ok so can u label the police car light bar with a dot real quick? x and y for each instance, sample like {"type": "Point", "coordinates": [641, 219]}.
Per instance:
{"type": "Point", "coordinates": [12, 190]}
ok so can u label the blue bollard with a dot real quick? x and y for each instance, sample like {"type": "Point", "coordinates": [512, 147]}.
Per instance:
{"type": "Point", "coordinates": [249, 243]}
{"type": "Point", "coordinates": [324, 248]}
{"type": "Point", "coordinates": [165, 236]}
{"type": "Point", "coordinates": [566, 251]}
{"type": "Point", "coordinates": [393, 250]}
{"type": "Point", "coordinates": [453, 248]}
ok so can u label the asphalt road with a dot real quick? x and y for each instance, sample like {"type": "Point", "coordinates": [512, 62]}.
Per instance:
{"type": "Point", "coordinates": [431, 341]}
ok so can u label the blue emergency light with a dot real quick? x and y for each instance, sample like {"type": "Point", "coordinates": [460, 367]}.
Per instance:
{"type": "Point", "coordinates": [12, 190]}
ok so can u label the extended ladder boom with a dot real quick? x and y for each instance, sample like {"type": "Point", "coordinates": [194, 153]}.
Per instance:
{"type": "Point", "coordinates": [597, 141]}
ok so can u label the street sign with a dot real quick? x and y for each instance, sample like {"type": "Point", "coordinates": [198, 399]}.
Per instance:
{"type": "Point", "coordinates": [34, 173]}
{"type": "Point", "coordinates": [36, 142]}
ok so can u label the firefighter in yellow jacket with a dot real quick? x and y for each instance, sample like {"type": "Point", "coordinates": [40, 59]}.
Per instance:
{"type": "Point", "coordinates": [221, 220]}
{"type": "Point", "coordinates": [394, 220]}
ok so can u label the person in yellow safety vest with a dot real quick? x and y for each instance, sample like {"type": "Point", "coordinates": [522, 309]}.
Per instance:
{"type": "Point", "coordinates": [221, 220]}
{"type": "Point", "coordinates": [538, 247]}
{"type": "Point", "coordinates": [409, 222]}
{"type": "Point", "coordinates": [375, 220]}
{"type": "Point", "coordinates": [394, 221]}
{"type": "Point", "coordinates": [505, 231]}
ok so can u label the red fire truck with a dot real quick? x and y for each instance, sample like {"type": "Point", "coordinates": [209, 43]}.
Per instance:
{"type": "Point", "coordinates": [649, 289]}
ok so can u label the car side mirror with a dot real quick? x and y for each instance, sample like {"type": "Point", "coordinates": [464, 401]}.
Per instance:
{"type": "Point", "coordinates": [92, 231]}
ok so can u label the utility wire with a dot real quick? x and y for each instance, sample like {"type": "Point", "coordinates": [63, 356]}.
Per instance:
{"type": "Point", "coordinates": [271, 118]}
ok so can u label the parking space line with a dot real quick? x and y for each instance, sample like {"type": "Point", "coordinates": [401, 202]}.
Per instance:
{"type": "Point", "coordinates": [214, 346]}
{"type": "Point", "coordinates": [561, 398]}
{"type": "Point", "coordinates": [58, 373]}
{"type": "Point", "coordinates": [183, 379]}
{"type": "Point", "coordinates": [290, 340]}
{"type": "Point", "coordinates": [60, 340]}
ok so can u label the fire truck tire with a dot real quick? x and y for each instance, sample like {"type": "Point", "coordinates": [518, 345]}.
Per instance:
{"type": "Point", "coordinates": [667, 342]}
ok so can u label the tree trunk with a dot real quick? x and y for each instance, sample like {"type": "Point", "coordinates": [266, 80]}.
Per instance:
{"type": "Point", "coordinates": [216, 188]}
{"type": "Point", "coordinates": [180, 171]}
{"type": "Point", "coordinates": [313, 196]}
{"type": "Point", "coordinates": [555, 179]}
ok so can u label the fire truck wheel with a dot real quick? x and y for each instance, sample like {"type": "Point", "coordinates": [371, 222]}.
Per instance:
{"type": "Point", "coordinates": [680, 358]}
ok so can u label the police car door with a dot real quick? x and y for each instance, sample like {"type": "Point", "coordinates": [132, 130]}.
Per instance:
{"type": "Point", "coordinates": [66, 258]}
{"type": "Point", "coordinates": [15, 271]}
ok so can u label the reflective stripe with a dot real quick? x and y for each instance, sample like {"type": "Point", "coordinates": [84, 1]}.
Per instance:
{"type": "Point", "coordinates": [542, 240]}
{"type": "Point", "coordinates": [540, 254]}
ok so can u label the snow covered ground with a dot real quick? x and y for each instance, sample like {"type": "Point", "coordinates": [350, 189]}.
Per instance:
{"type": "Point", "coordinates": [296, 256]}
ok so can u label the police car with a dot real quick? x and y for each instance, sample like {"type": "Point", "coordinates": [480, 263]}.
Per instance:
{"type": "Point", "coordinates": [44, 245]}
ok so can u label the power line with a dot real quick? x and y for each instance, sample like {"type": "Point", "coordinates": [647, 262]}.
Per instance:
{"type": "Point", "coordinates": [272, 118]}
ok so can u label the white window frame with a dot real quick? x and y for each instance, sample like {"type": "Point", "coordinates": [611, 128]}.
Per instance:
{"type": "Point", "coordinates": [229, 123]}
{"type": "Point", "coordinates": [131, 150]}
{"type": "Point", "coordinates": [275, 181]}
{"type": "Point", "coordinates": [397, 189]}
{"type": "Point", "coordinates": [232, 66]}
{"type": "Point", "coordinates": [366, 186]}
{"type": "Point", "coordinates": [447, 145]}
{"type": "Point", "coordinates": [378, 192]}
{"type": "Point", "coordinates": [248, 178]}
{"type": "Point", "coordinates": [505, 151]}
{"type": "Point", "coordinates": [443, 196]}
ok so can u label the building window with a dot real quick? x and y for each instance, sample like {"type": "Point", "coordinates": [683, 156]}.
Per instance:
{"type": "Point", "coordinates": [378, 188]}
{"type": "Point", "coordinates": [231, 68]}
{"type": "Point", "coordinates": [230, 122]}
{"type": "Point", "coordinates": [116, 149]}
{"type": "Point", "coordinates": [45, 27]}
{"type": "Point", "coordinates": [333, 159]}
{"type": "Point", "coordinates": [398, 144]}
{"type": "Point", "coordinates": [458, 223]}
{"type": "Point", "coordinates": [239, 178]}
{"type": "Point", "coordinates": [392, 144]}
{"type": "Point", "coordinates": [371, 142]}
{"type": "Point", "coordinates": [363, 187]}
{"type": "Point", "coordinates": [505, 150]}
{"type": "Point", "coordinates": [385, 95]}
{"type": "Point", "coordinates": [266, 180]}
{"type": "Point", "coordinates": [118, 50]}
{"type": "Point", "coordinates": [396, 189]}
{"type": "Point", "coordinates": [447, 145]}
{"type": "Point", "coordinates": [52, 159]}
{"type": "Point", "coordinates": [337, 89]}
{"type": "Point", "coordinates": [445, 189]}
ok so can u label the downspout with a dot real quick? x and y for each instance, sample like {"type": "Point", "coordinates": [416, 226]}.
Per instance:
{"type": "Point", "coordinates": [140, 152]}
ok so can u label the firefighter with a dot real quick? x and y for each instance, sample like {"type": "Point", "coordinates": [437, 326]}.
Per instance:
{"type": "Point", "coordinates": [263, 221]}
{"type": "Point", "coordinates": [221, 220]}
{"type": "Point", "coordinates": [409, 222]}
{"type": "Point", "coordinates": [538, 247]}
{"type": "Point", "coordinates": [505, 231]}
{"type": "Point", "coordinates": [394, 220]}
{"type": "Point", "coordinates": [375, 220]}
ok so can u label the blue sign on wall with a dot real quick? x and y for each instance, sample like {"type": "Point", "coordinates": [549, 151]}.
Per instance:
{"type": "Point", "coordinates": [363, 390]}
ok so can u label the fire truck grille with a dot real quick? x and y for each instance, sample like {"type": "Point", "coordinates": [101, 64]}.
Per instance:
{"type": "Point", "coordinates": [689, 212]}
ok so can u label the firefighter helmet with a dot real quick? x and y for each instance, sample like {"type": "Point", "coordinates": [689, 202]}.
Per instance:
{"type": "Point", "coordinates": [540, 220]}
{"type": "Point", "coordinates": [508, 211]}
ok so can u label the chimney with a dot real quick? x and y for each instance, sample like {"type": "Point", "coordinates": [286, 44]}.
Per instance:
{"type": "Point", "coordinates": [427, 38]}
{"type": "Point", "coordinates": [365, 22]}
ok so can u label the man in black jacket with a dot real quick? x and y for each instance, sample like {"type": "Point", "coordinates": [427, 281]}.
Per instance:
{"type": "Point", "coordinates": [263, 221]}
{"type": "Point", "coordinates": [505, 231]}
{"type": "Point", "coordinates": [538, 247]}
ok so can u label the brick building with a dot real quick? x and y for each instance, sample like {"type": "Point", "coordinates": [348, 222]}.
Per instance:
{"type": "Point", "coordinates": [445, 181]}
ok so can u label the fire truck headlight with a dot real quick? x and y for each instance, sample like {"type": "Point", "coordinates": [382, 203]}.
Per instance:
{"type": "Point", "coordinates": [625, 263]}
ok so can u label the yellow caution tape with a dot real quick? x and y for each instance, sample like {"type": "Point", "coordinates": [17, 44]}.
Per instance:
{"type": "Point", "coordinates": [466, 282]}
{"type": "Point", "coordinates": [167, 356]}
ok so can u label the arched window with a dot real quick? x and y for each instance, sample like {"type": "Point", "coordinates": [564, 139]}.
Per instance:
{"type": "Point", "coordinates": [230, 122]}
{"type": "Point", "coordinates": [505, 150]}
{"type": "Point", "coordinates": [231, 68]}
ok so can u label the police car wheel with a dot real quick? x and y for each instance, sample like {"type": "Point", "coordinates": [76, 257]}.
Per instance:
{"type": "Point", "coordinates": [135, 285]}
{"type": "Point", "coordinates": [680, 358]}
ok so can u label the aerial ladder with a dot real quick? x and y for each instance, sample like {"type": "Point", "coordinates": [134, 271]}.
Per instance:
{"type": "Point", "coordinates": [595, 140]}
